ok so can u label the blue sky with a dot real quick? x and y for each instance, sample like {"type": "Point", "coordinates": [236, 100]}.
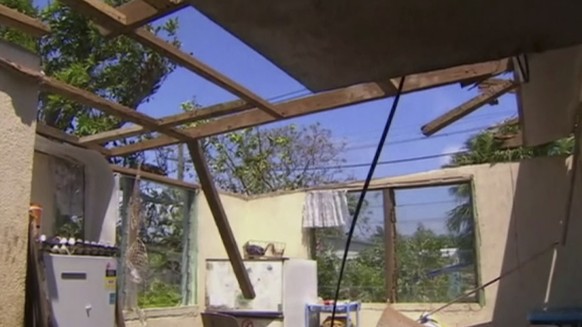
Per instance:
{"type": "Point", "coordinates": [360, 126]}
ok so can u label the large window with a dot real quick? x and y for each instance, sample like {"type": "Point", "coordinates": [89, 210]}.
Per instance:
{"type": "Point", "coordinates": [410, 245]}
{"type": "Point", "coordinates": [156, 245]}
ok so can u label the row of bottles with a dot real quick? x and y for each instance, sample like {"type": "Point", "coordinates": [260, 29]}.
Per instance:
{"type": "Point", "coordinates": [72, 246]}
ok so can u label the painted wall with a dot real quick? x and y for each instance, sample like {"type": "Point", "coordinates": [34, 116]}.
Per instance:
{"type": "Point", "coordinates": [18, 103]}
{"type": "Point", "coordinates": [276, 218]}
{"type": "Point", "coordinates": [519, 207]}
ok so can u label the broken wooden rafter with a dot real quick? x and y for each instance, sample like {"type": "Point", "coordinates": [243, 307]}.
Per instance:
{"type": "Point", "coordinates": [57, 134]}
{"type": "Point", "coordinates": [326, 101]}
{"type": "Point", "coordinates": [112, 19]}
{"type": "Point", "coordinates": [468, 107]}
{"type": "Point", "coordinates": [490, 82]}
{"type": "Point", "coordinates": [15, 19]}
{"type": "Point", "coordinates": [215, 205]}
{"type": "Point", "coordinates": [174, 120]}
{"type": "Point", "coordinates": [141, 12]}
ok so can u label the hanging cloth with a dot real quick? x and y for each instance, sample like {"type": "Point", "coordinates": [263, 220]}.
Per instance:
{"type": "Point", "coordinates": [325, 209]}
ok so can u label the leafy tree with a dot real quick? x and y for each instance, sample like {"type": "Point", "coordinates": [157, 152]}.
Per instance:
{"type": "Point", "coordinates": [260, 160]}
{"type": "Point", "coordinates": [487, 147]}
{"type": "Point", "coordinates": [120, 70]}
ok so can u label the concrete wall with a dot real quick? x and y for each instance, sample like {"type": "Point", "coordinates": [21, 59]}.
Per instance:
{"type": "Point", "coordinates": [519, 207]}
{"type": "Point", "coordinates": [548, 102]}
{"type": "Point", "coordinates": [18, 104]}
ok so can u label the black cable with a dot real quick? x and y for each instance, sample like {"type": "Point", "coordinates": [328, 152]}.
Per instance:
{"type": "Point", "coordinates": [363, 194]}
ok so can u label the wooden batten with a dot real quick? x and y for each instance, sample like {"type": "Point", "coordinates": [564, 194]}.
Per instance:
{"type": "Point", "coordinates": [154, 177]}
{"type": "Point", "coordinates": [15, 19]}
{"type": "Point", "coordinates": [325, 101]}
{"type": "Point", "coordinates": [209, 112]}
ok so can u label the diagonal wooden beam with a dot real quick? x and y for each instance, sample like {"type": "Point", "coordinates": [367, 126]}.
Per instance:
{"type": "Point", "coordinates": [87, 98]}
{"type": "Point", "coordinates": [468, 107]}
{"type": "Point", "coordinates": [140, 12]}
{"type": "Point", "coordinates": [220, 219]}
{"type": "Point", "coordinates": [174, 120]}
{"type": "Point", "coordinates": [15, 19]}
{"type": "Point", "coordinates": [326, 101]}
{"type": "Point", "coordinates": [112, 19]}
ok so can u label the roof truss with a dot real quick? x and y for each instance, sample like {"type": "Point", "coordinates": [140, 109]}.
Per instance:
{"type": "Point", "coordinates": [251, 110]}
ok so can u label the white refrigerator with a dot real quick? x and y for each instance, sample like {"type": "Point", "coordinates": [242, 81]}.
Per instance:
{"type": "Point", "coordinates": [283, 287]}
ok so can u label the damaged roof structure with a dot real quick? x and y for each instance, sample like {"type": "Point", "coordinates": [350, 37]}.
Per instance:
{"type": "Point", "coordinates": [345, 52]}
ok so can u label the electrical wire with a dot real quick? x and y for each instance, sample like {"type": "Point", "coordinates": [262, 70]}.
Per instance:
{"type": "Point", "coordinates": [363, 194]}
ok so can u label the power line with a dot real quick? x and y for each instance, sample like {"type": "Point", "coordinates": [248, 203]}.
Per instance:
{"type": "Point", "coordinates": [388, 162]}
{"type": "Point", "coordinates": [421, 138]}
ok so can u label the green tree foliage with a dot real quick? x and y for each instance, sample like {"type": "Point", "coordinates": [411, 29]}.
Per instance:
{"type": "Point", "coordinates": [125, 72]}
{"type": "Point", "coordinates": [261, 160]}
{"type": "Point", "coordinates": [120, 69]}
{"type": "Point", "coordinates": [487, 147]}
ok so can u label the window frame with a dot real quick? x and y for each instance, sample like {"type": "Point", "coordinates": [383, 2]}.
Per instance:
{"type": "Point", "coordinates": [388, 189]}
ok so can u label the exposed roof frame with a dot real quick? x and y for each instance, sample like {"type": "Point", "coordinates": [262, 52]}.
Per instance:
{"type": "Point", "coordinates": [326, 101]}
{"type": "Point", "coordinates": [209, 112]}
{"type": "Point", "coordinates": [112, 19]}
{"type": "Point", "coordinates": [57, 134]}
{"type": "Point", "coordinates": [108, 17]}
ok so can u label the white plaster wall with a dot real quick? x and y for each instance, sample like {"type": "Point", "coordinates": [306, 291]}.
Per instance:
{"type": "Point", "coordinates": [18, 104]}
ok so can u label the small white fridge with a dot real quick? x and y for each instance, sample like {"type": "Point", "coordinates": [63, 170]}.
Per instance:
{"type": "Point", "coordinates": [283, 287]}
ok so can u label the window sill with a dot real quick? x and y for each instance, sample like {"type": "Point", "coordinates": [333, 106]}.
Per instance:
{"type": "Point", "coordinates": [152, 313]}
{"type": "Point", "coordinates": [420, 307]}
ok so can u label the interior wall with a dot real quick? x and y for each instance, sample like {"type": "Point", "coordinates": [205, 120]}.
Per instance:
{"type": "Point", "coordinates": [518, 207]}
{"type": "Point", "coordinates": [549, 100]}
{"type": "Point", "coordinates": [18, 104]}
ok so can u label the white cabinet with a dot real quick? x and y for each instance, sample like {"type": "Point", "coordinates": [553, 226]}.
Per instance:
{"type": "Point", "coordinates": [283, 287]}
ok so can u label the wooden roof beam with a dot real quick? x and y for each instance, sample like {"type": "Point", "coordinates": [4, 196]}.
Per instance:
{"type": "Point", "coordinates": [326, 101]}
{"type": "Point", "coordinates": [15, 19]}
{"type": "Point", "coordinates": [57, 134]}
{"type": "Point", "coordinates": [468, 107]}
{"type": "Point", "coordinates": [112, 19]}
{"type": "Point", "coordinates": [220, 218]}
{"type": "Point", "coordinates": [142, 12]}
{"type": "Point", "coordinates": [209, 112]}
{"type": "Point", "coordinates": [87, 98]}
{"type": "Point", "coordinates": [154, 177]}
